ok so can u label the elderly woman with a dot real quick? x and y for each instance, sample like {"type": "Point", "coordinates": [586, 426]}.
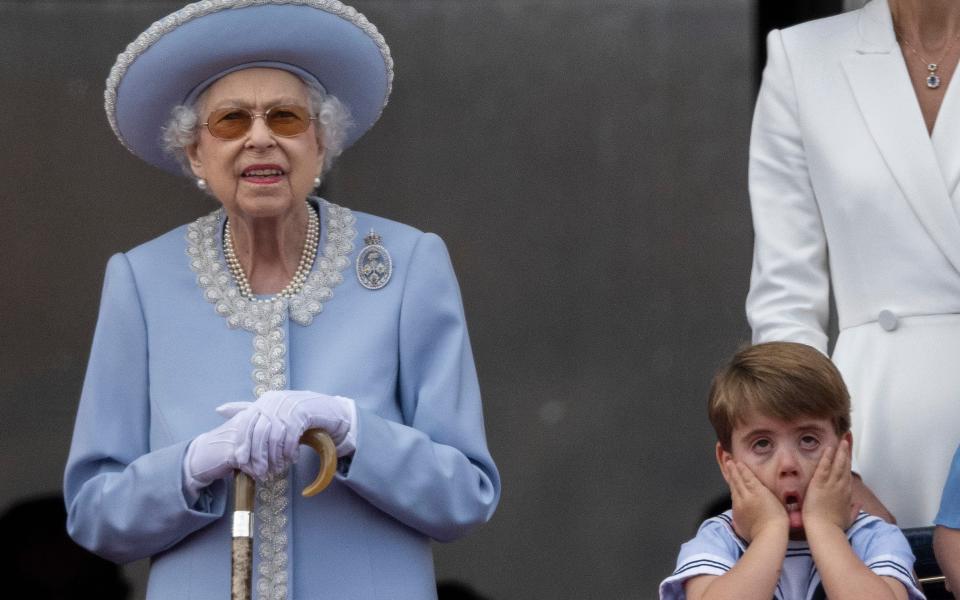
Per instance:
{"type": "Point", "coordinates": [854, 171]}
{"type": "Point", "coordinates": [271, 312]}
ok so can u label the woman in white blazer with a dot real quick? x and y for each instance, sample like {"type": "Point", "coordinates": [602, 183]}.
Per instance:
{"type": "Point", "coordinates": [854, 166]}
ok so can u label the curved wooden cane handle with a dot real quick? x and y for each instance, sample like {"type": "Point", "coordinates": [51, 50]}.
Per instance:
{"type": "Point", "coordinates": [320, 441]}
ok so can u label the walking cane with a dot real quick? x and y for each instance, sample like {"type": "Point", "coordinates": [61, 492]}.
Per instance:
{"type": "Point", "coordinates": [243, 498]}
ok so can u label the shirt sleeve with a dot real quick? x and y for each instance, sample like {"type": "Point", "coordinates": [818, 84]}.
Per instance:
{"type": "Point", "coordinates": [433, 471]}
{"type": "Point", "coordinates": [949, 513]}
{"type": "Point", "coordinates": [789, 282]}
{"type": "Point", "coordinates": [713, 551]}
{"type": "Point", "coordinates": [125, 500]}
{"type": "Point", "coordinates": [886, 552]}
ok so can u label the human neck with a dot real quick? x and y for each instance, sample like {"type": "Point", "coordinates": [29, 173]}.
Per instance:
{"type": "Point", "coordinates": [269, 248]}
{"type": "Point", "coordinates": [933, 24]}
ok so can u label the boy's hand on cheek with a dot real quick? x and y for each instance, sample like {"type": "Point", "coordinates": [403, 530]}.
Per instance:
{"type": "Point", "coordinates": [755, 508]}
{"type": "Point", "coordinates": [828, 498]}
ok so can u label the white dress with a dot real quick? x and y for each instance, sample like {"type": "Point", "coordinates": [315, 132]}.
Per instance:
{"type": "Point", "coordinates": [848, 191]}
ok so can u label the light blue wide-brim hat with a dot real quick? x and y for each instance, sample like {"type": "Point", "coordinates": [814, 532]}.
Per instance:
{"type": "Point", "coordinates": [177, 57]}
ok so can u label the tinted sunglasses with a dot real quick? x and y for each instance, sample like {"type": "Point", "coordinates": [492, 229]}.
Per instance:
{"type": "Point", "coordinates": [232, 123]}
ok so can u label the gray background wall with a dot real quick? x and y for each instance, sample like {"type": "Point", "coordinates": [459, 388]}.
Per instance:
{"type": "Point", "coordinates": [585, 162]}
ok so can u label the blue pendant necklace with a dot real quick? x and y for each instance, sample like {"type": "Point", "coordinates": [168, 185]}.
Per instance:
{"type": "Point", "coordinates": [933, 78]}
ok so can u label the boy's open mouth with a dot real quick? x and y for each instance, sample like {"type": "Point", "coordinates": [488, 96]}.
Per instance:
{"type": "Point", "coordinates": [792, 502]}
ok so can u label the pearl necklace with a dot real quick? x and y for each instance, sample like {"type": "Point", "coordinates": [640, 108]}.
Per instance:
{"type": "Point", "coordinates": [307, 258]}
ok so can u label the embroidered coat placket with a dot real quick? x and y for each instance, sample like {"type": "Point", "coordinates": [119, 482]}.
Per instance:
{"type": "Point", "coordinates": [266, 321]}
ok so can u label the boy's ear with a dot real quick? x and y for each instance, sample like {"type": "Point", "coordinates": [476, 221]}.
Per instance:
{"type": "Point", "coordinates": [849, 437]}
{"type": "Point", "coordinates": [722, 456]}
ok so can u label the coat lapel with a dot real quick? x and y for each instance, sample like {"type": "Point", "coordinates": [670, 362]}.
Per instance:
{"type": "Point", "coordinates": [881, 86]}
{"type": "Point", "coordinates": [944, 140]}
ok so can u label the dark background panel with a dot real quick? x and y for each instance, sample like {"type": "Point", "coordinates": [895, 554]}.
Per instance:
{"type": "Point", "coordinates": [777, 14]}
{"type": "Point", "coordinates": [585, 161]}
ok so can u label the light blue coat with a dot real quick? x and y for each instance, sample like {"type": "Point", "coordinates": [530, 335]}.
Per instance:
{"type": "Point", "coordinates": [163, 359]}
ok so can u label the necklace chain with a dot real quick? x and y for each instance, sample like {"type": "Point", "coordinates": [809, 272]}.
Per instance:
{"type": "Point", "coordinates": [304, 267]}
{"type": "Point", "coordinates": [933, 79]}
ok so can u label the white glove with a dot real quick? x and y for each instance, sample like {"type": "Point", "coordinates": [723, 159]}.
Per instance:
{"type": "Point", "coordinates": [299, 411]}
{"type": "Point", "coordinates": [237, 444]}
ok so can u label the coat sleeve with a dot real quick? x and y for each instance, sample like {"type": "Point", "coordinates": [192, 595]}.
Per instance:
{"type": "Point", "coordinates": [790, 282]}
{"type": "Point", "coordinates": [949, 513]}
{"type": "Point", "coordinates": [432, 472]}
{"type": "Point", "coordinates": [125, 501]}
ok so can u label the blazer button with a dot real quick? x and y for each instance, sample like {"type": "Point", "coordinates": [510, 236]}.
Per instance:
{"type": "Point", "coordinates": [887, 320]}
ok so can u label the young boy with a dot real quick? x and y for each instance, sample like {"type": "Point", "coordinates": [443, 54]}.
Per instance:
{"type": "Point", "coordinates": [782, 416]}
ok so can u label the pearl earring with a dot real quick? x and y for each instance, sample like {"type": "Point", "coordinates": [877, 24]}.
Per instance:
{"type": "Point", "coordinates": [202, 183]}
{"type": "Point", "coordinates": [316, 181]}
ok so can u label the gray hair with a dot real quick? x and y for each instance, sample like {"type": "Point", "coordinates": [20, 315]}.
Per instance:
{"type": "Point", "coordinates": [333, 121]}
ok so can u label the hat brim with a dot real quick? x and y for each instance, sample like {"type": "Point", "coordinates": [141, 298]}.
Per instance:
{"type": "Point", "coordinates": [159, 70]}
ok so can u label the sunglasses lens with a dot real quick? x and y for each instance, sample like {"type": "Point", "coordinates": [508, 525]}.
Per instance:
{"type": "Point", "coordinates": [288, 120]}
{"type": "Point", "coordinates": [232, 123]}
{"type": "Point", "coordinates": [229, 123]}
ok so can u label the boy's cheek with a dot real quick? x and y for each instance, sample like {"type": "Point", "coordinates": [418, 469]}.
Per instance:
{"type": "Point", "coordinates": [815, 455]}
{"type": "Point", "coordinates": [754, 463]}
{"type": "Point", "coordinates": [810, 464]}
{"type": "Point", "coordinates": [759, 472]}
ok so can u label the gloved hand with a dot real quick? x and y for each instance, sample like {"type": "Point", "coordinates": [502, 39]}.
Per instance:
{"type": "Point", "coordinates": [299, 411]}
{"type": "Point", "coordinates": [240, 443]}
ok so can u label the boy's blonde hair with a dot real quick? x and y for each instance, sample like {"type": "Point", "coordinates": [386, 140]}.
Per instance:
{"type": "Point", "coordinates": [782, 380]}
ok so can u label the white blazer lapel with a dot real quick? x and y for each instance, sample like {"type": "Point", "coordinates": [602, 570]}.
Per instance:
{"type": "Point", "coordinates": [881, 86]}
{"type": "Point", "coordinates": [945, 140]}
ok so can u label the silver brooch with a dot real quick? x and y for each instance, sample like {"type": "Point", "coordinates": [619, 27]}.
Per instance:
{"type": "Point", "coordinates": [374, 265]}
